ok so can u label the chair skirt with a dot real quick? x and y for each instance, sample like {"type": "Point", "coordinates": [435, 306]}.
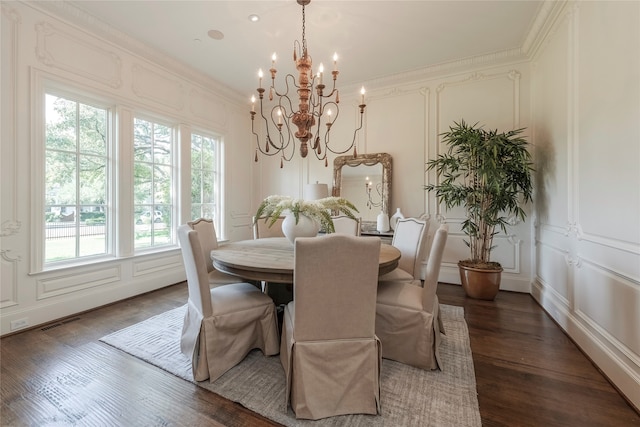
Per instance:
{"type": "Point", "coordinates": [351, 386]}
{"type": "Point", "coordinates": [408, 333]}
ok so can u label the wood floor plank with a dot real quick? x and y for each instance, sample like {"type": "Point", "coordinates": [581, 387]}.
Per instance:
{"type": "Point", "coordinates": [528, 372]}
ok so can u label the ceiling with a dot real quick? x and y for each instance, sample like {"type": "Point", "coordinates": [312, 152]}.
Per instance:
{"type": "Point", "coordinates": [373, 39]}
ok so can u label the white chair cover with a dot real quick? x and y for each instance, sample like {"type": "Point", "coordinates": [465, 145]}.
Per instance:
{"type": "Point", "coordinates": [209, 241]}
{"type": "Point", "coordinates": [410, 237]}
{"type": "Point", "coordinates": [408, 317]}
{"type": "Point", "coordinates": [329, 350]}
{"type": "Point", "coordinates": [345, 225]}
{"type": "Point", "coordinates": [222, 324]}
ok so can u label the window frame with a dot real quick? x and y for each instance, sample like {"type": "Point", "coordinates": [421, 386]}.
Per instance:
{"type": "Point", "coordinates": [218, 221]}
{"type": "Point", "coordinates": [120, 117]}
{"type": "Point", "coordinates": [71, 93]}
{"type": "Point", "coordinates": [175, 179]}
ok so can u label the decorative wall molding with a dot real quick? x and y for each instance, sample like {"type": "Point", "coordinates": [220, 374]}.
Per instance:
{"type": "Point", "coordinates": [418, 75]}
{"type": "Point", "coordinates": [56, 285]}
{"type": "Point", "coordinates": [9, 293]}
{"type": "Point", "coordinates": [171, 262]}
{"type": "Point", "coordinates": [543, 26]}
{"type": "Point", "coordinates": [206, 107]}
{"type": "Point", "coordinates": [67, 11]}
{"type": "Point", "coordinates": [10, 227]}
{"type": "Point", "coordinates": [11, 20]}
{"type": "Point", "coordinates": [146, 84]}
{"type": "Point", "coordinates": [426, 93]}
{"type": "Point", "coordinates": [60, 49]}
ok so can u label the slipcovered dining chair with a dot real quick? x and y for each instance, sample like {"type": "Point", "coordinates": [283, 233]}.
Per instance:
{"type": "Point", "coordinates": [410, 237]}
{"type": "Point", "coordinates": [222, 324]}
{"type": "Point", "coordinates": [345, 225]}
{"type": "Point", "coordinates": [208, 242]}
{"type": "Point", "coordinates": [328, 349]}
{"type": "Point", "coordinates": [261, 228]}
{"type": "Point", "coordinates": [408, 317]}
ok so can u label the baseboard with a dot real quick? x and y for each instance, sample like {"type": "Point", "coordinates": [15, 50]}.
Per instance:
{"type": "Point", "coordinates": [622, 373]}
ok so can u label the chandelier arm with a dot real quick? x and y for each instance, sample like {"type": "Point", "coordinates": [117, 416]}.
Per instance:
{"type": "Point", "coordinates": [286, 81]}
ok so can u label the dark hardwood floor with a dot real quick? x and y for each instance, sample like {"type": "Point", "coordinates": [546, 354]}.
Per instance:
{"type": "Point", "coordinates": [528, 372]}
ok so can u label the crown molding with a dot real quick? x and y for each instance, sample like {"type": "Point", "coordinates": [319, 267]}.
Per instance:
{"type": "Point", "coordinates": [68, 12]}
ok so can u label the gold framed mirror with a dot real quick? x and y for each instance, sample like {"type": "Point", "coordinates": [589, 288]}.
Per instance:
{"type": "Point", "coordinates": [364, 180]}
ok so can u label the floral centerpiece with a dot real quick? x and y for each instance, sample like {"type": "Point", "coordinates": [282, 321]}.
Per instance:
{"type": "Point", "coordinates": [273, 207]}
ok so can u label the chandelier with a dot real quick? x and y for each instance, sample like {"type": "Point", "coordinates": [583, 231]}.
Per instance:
{"type": "Point", "coordinates": [317, 108]}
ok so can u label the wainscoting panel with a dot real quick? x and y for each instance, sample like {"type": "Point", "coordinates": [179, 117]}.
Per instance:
{"type": "Point", "coordinates": [9, 279]}
{"type": "Point", "coordinates": [600, 292]}
{"type": "Point", "coordinates": [553, 269]}
{"type": "Point", "coordinates": [78, 55]}
{"type": "Point", "coordinates": [9, 225]}
{"type": "Point", "coordinates": [171, 262]}
{"type": "Point", "coordinates": [55, 285]}
{"type": "Point", "coordinates": [158, 87]}
{"type": "Point", "coordinates": [205, 106]}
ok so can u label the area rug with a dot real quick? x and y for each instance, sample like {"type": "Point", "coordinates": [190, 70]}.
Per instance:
{"type": "Point", "coordinates": [409, 396]}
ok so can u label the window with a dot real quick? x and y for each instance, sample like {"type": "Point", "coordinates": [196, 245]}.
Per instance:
{"type": "Point", "coordinates": [205, 180]}
{"type": "Point", "coordinates": [153, 183]}
{"type": "Point", "coordinates": [76, 204]}
{"type": "Point", "coordinates": [95, 204]}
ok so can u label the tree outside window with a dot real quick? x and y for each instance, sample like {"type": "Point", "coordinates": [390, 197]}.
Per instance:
{"type": "Point", "coordinates": [76, 204]}
{"type": "Point", "coordinates": [205, 181]}
{"type": "Point", "coordinates": [153, 181]}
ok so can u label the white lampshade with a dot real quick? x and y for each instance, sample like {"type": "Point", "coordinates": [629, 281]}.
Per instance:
{"type": "Point", "coordinates": [316, 191]}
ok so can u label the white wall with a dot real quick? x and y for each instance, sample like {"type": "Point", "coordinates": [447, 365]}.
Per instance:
{"type": "Point", "coordinates": [586, 115]}
{"type": "Point", "coordinates": [37, 46]}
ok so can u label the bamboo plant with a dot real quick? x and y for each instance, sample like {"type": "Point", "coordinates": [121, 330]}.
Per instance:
{"type": "Point", "coordinates": [489, 174]}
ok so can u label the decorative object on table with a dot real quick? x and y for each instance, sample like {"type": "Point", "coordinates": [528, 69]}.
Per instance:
{"type": "Point", "coordinates": [382, 223]}
{"type": "Point", "coordinates": [394, 218]}
{"type": "Point", "coordinates": [316, 107]}
{"type": "Point", "coordinates": [489, 174]}
{"type": "Point", "coordinates": [319, 211]}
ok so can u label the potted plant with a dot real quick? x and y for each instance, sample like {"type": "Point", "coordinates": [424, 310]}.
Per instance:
{"type": "Point", "coordinates": [309, 214]}
{"type": "Point", "coordinates": [489, 174]}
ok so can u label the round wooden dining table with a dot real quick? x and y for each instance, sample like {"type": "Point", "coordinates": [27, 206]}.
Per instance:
{"type": "Point", "coordinates": [271, 259]}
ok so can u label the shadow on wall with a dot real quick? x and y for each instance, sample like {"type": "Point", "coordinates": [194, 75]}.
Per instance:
{"type": "Point", "coordinates": [545, 172]}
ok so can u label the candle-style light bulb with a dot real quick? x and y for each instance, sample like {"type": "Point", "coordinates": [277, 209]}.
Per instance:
{"type": "Point", "coordinates": [279, 116]}
{"type": "Point", "coordinates": [335, 61]}
{"type": "Point", "coordinates": [320, 72]}
{"type": "Point", "coordinates": [273, 60]}
{"type": "Point", "coordinates": [329, 115]}
{"type": "Point", "coordinates": [260, 75]}
{"type": "Point", "coordinates": [362, 96]}
{"type": "Point", "coordinates": [253, 103]}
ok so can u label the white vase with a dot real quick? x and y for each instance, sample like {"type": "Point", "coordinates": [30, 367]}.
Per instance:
{"type": "Point", "coordinates": [394, 219]}
{"type": "Point", "coordinates": [306, 227]}
{"type": "Point", "coordinates": [383, 222]}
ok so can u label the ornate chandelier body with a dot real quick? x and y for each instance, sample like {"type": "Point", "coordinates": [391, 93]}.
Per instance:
{"type": "Point", "coordinates": [315, 108]}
